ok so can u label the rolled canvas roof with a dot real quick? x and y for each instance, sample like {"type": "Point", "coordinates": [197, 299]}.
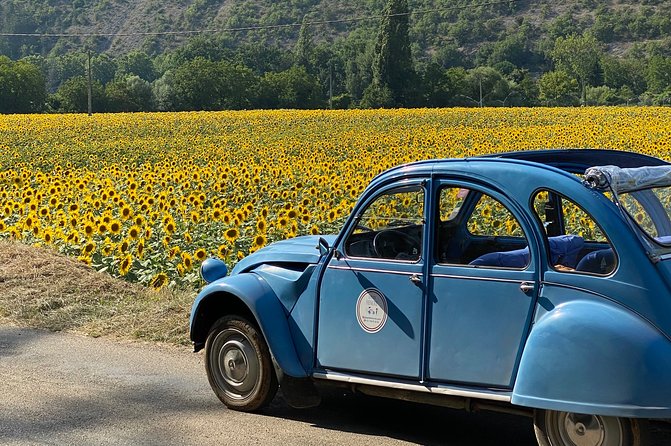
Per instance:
{"type": "Point", "coordinates": [628, 179]}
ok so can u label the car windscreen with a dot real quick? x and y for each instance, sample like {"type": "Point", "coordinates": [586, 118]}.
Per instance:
{"type": "Point", "coordinates": [643, 192]}
{"type": "Point", "coordinates": [650, 209]}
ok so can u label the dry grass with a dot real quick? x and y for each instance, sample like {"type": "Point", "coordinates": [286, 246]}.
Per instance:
{"type": "Point", "coordinates": [43, 289]}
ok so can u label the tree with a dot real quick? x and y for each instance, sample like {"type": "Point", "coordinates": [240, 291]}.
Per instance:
{"type": "Point", "coordinates": [163, 89]}
{"type": "Point", "coordinates": [577, 56]}
{"type": "Point", "coordinates": [139, 64]}
{"type": "Point", "coordinates": [618, 73]}
{"type": "Point", "coordinates": [485, 84]}
{"type": "Point", "coordinates": [72, 96]}
{"type": "Point", "coordinates": [103, 68]}
{"type": "Point", "coordinates": [393, 68]}
{"type": "Point", "coordinates": [658, 74]}
{"type": "Point", "coordinates": [195, 86]}
{"type": "Point", "coordinates": [303, 48]}
{"type": "Point", "coordinates": [202, 84]}
{"type": "Point", "coordinates": [22, 87]}
{"type": "Point", "coordinates": [443, 88]}
{"type": "Point", "coordinates": [292, 88]}
{"type": "Point", "coordinates": [129, 94]}
{"type": "Point", "coordinates": [557, 88]}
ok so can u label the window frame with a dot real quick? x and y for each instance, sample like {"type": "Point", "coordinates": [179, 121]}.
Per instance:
{"type": "Point", "coordinates": [464, 215]}
{"type": "Point", "coordinates": [419, 186]}
{"type": "Point", "coordinates": [558, 197]}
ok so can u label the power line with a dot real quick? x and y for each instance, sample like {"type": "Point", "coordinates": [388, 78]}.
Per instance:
{"type": "Point", "coordinates": [257, 27]}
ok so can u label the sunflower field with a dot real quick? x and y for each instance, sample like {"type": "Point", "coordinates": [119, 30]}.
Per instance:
{"type": "Point", "coordinates": [149, 196]}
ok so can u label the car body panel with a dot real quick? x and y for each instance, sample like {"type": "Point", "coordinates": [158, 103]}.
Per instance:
{"type": "Point", "coordinates": [300, 250]}
{"type": "Point", "coordinates": [395, 348]}
{"type": "Point", "coordinates": [269, 313]}
{"type": "Point", "coordinates": [592, 356]}
{"type": "Point", "coordinates": [570, 341]}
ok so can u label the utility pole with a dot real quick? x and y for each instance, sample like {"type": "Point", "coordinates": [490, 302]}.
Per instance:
{"type": "Point", "coordinates": [90, 89]}
{"type": "Point", "coordinates": [331, 84]}
{"type": "Point", "coordinates": [480, 82]}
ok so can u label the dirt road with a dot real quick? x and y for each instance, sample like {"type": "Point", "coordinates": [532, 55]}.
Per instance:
{"type": "Point", "coordinates": [63, 389]}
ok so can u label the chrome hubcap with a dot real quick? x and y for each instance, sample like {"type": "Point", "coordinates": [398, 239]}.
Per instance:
{"type": "Point", "coordinates": [572, 429]}
{"type": "Point", "coordinates": [583, 430]}
{"type": "Point", "coordinates": [236, 364]}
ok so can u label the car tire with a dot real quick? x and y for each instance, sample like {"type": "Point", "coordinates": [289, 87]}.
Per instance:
{"type": "Point", "coordinates": [555, 428]}
{"type": "Point", "coordinates": [238, 364]}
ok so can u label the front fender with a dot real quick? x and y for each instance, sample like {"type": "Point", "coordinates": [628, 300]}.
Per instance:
{"type": "Point", "coordinates": [258, 298]}
{"type": "Point", "coordinates": [596, 358]}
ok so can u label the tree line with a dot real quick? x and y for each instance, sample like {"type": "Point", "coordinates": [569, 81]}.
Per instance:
{"type": "Point", "coordinates": [355, 71]}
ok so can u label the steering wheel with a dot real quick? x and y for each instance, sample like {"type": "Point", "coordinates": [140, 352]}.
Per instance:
{"type": "Point", "coordinates": [390, 243]}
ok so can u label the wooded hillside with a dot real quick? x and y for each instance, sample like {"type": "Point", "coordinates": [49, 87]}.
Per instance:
{"type": "Point", "coordinates": [209, 55]}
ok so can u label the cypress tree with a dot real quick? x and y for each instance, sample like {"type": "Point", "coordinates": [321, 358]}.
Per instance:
{"type": "Point", "coordinates": [303, 46]}
{"type": "Point", "coordinates": [393, 70]}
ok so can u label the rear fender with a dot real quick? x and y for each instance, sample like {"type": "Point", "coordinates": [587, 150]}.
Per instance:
{"type": "Point", "coordinates": [598, 358]}
{"type": "Point", "coordinates": [249, 295]}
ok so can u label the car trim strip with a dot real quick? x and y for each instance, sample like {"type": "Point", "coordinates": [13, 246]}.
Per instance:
{"type": "Point", "coordinates": [493, 395]}
{"type": "Point", "coordinates": [492, 279]}
{"type": "Point", "coordinates": [372, 270]}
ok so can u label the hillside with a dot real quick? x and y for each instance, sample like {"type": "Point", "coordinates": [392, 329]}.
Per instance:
{"type": "Point", "coordinates": [436, 25]}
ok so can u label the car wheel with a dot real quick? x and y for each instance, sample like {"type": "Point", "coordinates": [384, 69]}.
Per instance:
{"type": "Point", "coordinates": [554, 428]}
{"type": "Point", "coordinates": [238, 364]}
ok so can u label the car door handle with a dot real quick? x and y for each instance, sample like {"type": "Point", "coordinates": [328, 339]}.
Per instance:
{"type": "Point", "coordinates": [415, 279]}
{"type": "Point", "coordinates": [527, 287]}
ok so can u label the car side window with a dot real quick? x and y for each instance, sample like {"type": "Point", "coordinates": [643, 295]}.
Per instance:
{"type": "Point", "coordinates": [391, 227]}
{"type": "Point", "coordinates": [576, 242]}
{"type": "Point", "coordinates": [490, 236]}
{"type": "Point", "coordinates": [491, 218]}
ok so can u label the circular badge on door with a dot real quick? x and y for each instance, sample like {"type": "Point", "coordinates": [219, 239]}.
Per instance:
{"type": "Point", "coordinates": [371, 310]}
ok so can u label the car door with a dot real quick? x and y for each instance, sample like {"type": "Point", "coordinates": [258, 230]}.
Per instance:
{"type": "Point", "coordinates": [371, 298]}
{"type": "Point", "coordinates": [484, 282]}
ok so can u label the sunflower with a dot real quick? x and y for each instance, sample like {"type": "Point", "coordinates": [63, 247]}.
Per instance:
{"type": "Point", "coordinates": [108, 248]}
{"type": "Point", "coordinates": [232, 234]}
{"type": "Point", "coordinates": [123, 247]}
{"type": "Point", "coordinates": [89, 229]}
{"type": "Point", "coordinates": [88, 248]}
{"type": "Point", "coordinates": [134, 232]}
{"type": "Point", "coordinates": [173, 252]}
{"type": "Point", "coordinates": [140, 248]}
{"type": "Point", "coordinates": [187, 260]}
{"type": "Point", "coordinates": [159, 281]}
{"type": "Point", "coordinates": [115, 226]}
{"type": "Point", "coordinates": [222, 251]}
{"type": "Point", "coordinates": [200, 254]}
{"type": "Point", "coordinates": [259, 241]}
{"type": "Point", "coordinates": [125, 264]}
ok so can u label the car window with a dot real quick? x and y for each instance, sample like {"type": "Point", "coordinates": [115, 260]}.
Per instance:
{"type": "Point", "coordinates": [451, 199]}
{"type": "Point", "coordinates": [575, 240]}
{"type": "Point", "coordinates": [391, 227]}
{"type": "Point", "coordinates": [490, 236]}
{"type": "Point", "coordinates": [491, 218]}
{"type": "Point", "coordinates": [635, 207]}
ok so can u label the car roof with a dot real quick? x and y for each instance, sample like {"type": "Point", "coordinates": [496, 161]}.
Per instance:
{"type": "Point", "coordinates": [568, 160]}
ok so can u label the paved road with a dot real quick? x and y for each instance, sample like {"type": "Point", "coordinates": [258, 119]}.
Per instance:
{"type": "Point", "coordinates": [63, 389]}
